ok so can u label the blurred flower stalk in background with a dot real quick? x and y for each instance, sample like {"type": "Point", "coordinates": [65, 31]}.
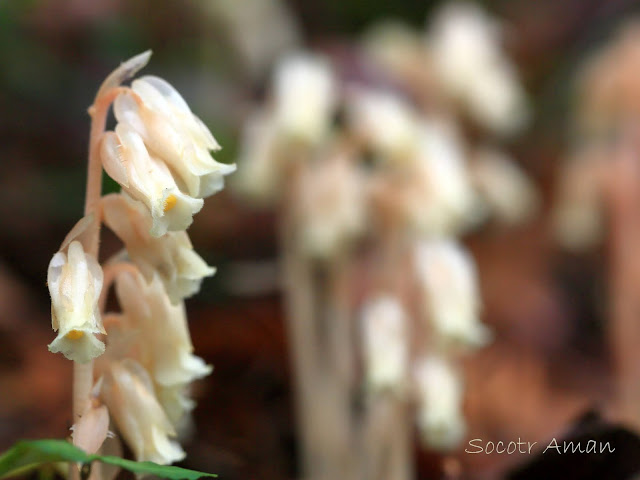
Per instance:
{"type": "Point", "coordinates": [133, 369]}
{"type": "Point", "coordinates": [375, 180]}
{"type": "Point", "coordinates": [600, 187]}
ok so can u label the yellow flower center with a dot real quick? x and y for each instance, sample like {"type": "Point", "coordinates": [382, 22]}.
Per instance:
{"type": "Point", "coordinates": [170, 202]}
{"type": "Point", "coordinates": [74, 334]}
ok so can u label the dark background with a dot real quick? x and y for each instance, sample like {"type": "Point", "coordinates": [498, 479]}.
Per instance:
{"type": "Point", "coordinates": [549, 362]}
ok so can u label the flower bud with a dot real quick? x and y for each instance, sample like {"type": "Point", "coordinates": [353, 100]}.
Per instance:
{"type": "Point", "coordinates": [92, 429]}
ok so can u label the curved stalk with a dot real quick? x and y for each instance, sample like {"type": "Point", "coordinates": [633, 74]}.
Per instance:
{"type": "Point", "coordinates": [83, 372]}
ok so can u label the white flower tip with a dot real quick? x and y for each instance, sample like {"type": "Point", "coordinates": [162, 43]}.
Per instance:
{"type": "Point", "coordinates": [126, 70]}
{"type": "Point", "coordinates": [130, 67]}
{"type": "Point", "coordinates": [78, 346]}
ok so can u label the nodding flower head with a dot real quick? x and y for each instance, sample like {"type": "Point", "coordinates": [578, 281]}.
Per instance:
{"type": "Point", "coordinates": [166, 350]}
{"type": "Point", "coordinates": [450, 287]}
{"type": "Point", "coordinates": [75, 283]}
{"type": "Point", "coordinates": [161, 117]}
{"type": "Point", "coordinates": [148, 180]}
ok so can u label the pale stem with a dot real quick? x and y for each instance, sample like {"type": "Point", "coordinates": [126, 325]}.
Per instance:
{"type": "Point", "coordinates": [623, 194]}
{"type": "Point", "coordinates": [303, 345]}
{"type": "Point", "coordinates": [386, 426]}
{"type": "Point", "coordinates": [83, 372]}
{"type": "Point", "coordinates": [322, 406]}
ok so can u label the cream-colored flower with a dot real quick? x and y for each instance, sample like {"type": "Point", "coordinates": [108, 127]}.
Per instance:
{"type": "Point", "coordinates": [386, 351]}
{"type": "Point", "coordinates": [127, 339]}
{"type": "Point", "coordinates": [464, 44]}
{"type": "Point", "coordinates": [157, 112]}
{"type": "Point", "coordinates": [75, 283]}
{"type": "Point", "coordinates": [497, 100]}
{"type": "Point", "coordinates": [507, 191]}
{"type": "Point", "coordinates": [440, 199]}
{"type": "Point", "coordinates": [147, 179]}
{"type": "Point", "coordinates": [331, 209]}
{"type": "Point", "coordinates": [164, 345]}
{"type": "Point", "coordinates": [304, 97]}
{"type": "Point", "coordinates": [171, 256]}
{"type": "Point", "coordinates": [440, 392]}
{"type": "Point", "coordinates": [449, 283]}
{"type": "Point", "coordinates": [128, 392]}
{"type": "Point", "coordinates": [386, 122]}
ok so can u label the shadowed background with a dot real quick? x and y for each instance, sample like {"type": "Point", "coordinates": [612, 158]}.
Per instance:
{"type": "Point", "coordinates": [549, 361]}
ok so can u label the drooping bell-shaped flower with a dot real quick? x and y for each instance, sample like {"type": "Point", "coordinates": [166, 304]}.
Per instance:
{"type": "Point", "coordinates": [449, 284]}
{"type": "Point", "coordinates": [464, 43]}
{"type": "Point", "coordinates": [128, 391]}
{"type": "Point", "coordinates": [127, 161]}
{"type": "Point", "coordinates": [439, 392]}
{"type": "Point", "coordinates": [128, 340]}
{"type": "Point", "coordinates": [304, 97]}
{"type": "Point", "coordinates": [439, 199]}
{"type": "Point", "coordinates": [164, 347]}
{"type": "Point", "coordinates": [75, 282]}
{"type": "Point", "coordinates": [386, 349]}
{"type": "Point", "coordinates": [171, 256]}
{"type": "Point", "coordinates": [171, 132]}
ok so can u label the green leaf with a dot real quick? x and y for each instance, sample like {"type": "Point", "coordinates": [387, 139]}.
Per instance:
{"type": "Point", "coordinates": [28, 454]}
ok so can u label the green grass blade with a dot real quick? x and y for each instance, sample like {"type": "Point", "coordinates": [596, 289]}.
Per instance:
{"type": "Point", "coordinates": [28, 454]}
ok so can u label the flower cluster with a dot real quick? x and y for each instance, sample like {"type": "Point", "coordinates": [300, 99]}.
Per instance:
{"type": "Point", "coordinates": [357, 163]}
{"type": "Point", "coordinates": [159, 153]}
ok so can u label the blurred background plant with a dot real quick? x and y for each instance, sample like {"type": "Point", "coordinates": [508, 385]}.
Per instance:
{"type": "Point", "coordinates": [549, 309]}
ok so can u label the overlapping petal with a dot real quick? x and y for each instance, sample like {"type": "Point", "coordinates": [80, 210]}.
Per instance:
{"type": "Point", "coordinates": [147, 179]}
